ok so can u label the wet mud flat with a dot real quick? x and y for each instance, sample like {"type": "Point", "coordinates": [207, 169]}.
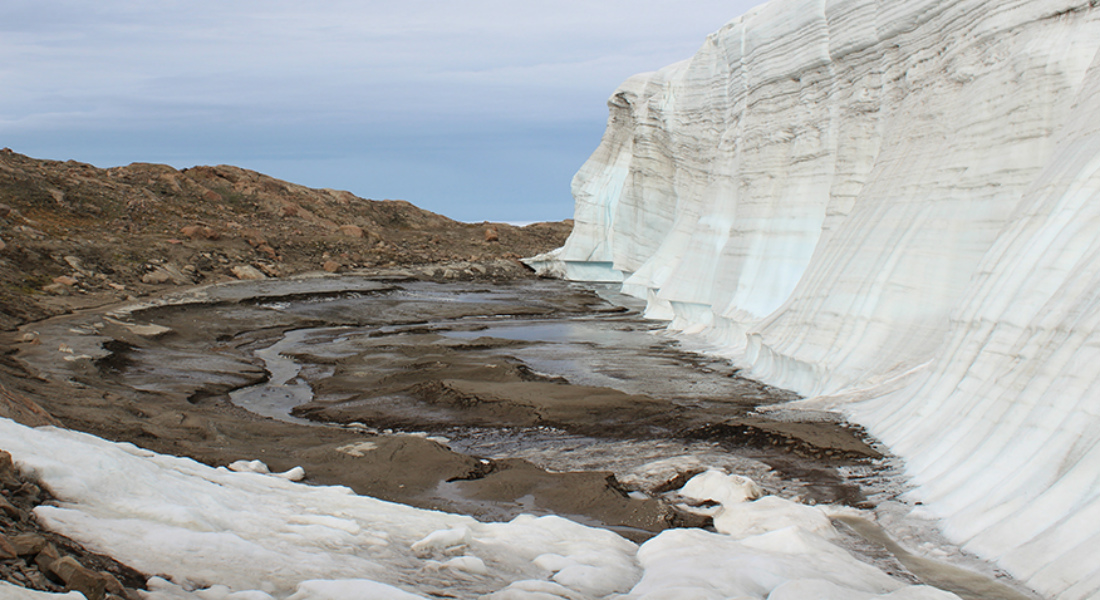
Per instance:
{"type": "Point", "coordinates": [490, 398]}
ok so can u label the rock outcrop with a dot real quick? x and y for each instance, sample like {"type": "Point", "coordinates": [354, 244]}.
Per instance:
{"type": "Point", "coordinates": [891, 208]}
{"type": "Point", "coordinates": [134, 230]}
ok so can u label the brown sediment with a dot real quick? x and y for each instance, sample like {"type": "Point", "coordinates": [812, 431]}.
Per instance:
{"type": "Point", "coordinates": [965, 583]}
{"type": "Point", "coordinates": [159, 376]}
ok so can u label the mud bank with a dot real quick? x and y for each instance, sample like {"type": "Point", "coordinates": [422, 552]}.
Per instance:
{"type": "Point", "coordinates": [432, 394]}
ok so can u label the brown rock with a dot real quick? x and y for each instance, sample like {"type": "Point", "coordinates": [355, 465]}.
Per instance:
{"type": "Point", "coordinates": [254, 237]}
{"type": "Point", "coordinates": [80, 578]}
{"type": "Point", "coordinates": [28, 544]}
{"type": "Point", "coordinates": [7, 508]}
{"type": "Point", "coordinates": [331, 266]}
{"type": "Point", "coordinates": [247, 272]}
{"type": "Point", "coordinates": [290, 210]}
{"type": "Point", "coordinates": [2, 245]}
{"type": "Point", "coordinates": [212, 196]}
{"type": "Point", "coordinates": [7, 549]}
{"type": "Point", "coordinates": [354, 231]}
{"type": "Point", "coordinates": [157, 277]}
{"type": "Point", "coordinates": [200, 232]}
{"type": "Point", "coordinates": [268, 251]}
{"type": "Point", "coordinates": [65, 280]}
{"type": "Point", "coordinates": [56, 289]}
{"type": "Point", "coordinates": [47, 557]}
{"type": "Point", "coordinates": [492, 235]}
{"type": "Point", "coordinates": [7, 466]}
{"type": "Point", "coordinates": [270, 270]}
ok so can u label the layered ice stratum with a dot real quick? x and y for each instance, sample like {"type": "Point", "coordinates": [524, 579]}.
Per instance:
{"type": "Point", "coordinates": [893, 208]}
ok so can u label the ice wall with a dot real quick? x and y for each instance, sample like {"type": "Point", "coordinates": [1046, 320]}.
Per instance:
{"type": "Point", "coordinates": [892, 208]}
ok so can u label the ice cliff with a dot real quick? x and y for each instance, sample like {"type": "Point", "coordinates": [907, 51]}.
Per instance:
{"type": "Point", "coordinates": [892, 208]}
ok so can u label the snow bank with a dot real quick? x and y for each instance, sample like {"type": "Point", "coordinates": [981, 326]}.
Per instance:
{"type": "Point", "coordinates": [216, 534]}
{"type": "Point", "coordinates": [891, 208]}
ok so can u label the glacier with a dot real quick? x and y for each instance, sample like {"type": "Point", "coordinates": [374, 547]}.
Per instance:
{"type": "Point", "coordinates": [893, 209]}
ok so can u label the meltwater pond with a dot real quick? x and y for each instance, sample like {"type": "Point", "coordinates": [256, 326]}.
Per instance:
{"type": "Point", "coordinates": [567, 376]}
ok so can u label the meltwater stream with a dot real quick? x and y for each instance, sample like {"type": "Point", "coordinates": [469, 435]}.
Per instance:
{"type": "Point", "coordinates": [610, 347]}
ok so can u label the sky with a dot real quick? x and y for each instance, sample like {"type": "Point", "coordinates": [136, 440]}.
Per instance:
{"type": "Point", "coordinates": [475, 109]}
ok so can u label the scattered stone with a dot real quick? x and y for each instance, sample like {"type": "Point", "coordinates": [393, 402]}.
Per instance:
{"type": "Point", "coordinates": [56, 289]}
{"type": "Point", "coordinates": [331, 266]}
{"type": "Point", "coordinates": [7, 549]}
{"type": "Point", "coordinates": [254, 237]}
{"type": "Point", "coordinates": [353, 231]}
{"type": "Point", "coordinates": [492, 235]}
{"type": "Point", "coordinates": [2, 245]}
{"type": "Point", "coordinates": [31, 232]}
{"type": "Point", "coordinates": [270, 270]}
{"type": "Point", "coordinates": [290, 210]}
{"type": "Point", "coordinates": [76, 264]}
{"type": "Point", "coordinates": [28, 544]}
{"type": "Point", "coordinates": [65, 280]}
{"type": "Point", "coordinates": [268, 251]}
{"type": "Point", "coordinates": [156, 277]}
{"type": "Point", "coordinates": [247, 272]}
{"type": "Point", "coordinates": [31, 337]}
{"type": "Point", "coordinates": [116, 286]}
{"type": "Point", "coordinates": [47, 557]}
{"type": "Point", "coordinates": [80, 578]}
{"type": "Point", "coordinates": [167, 273]}
{"type": "Point", "coordinates": [200, 232]}
{"type": "Point", "coordinates": [8, 508]}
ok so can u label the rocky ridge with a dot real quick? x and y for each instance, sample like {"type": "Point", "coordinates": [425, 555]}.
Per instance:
{"type": "Point", "coordinates": [73, 235]}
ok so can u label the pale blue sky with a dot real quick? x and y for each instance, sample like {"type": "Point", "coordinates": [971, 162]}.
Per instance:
{"type": "Point", "coordinates": [477, 109]}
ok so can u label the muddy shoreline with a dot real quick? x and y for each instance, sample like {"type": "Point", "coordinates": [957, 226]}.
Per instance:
{"type": "Point", "coordinates": [159, 375]}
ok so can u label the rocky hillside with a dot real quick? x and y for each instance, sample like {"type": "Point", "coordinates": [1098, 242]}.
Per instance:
{"type": "Point", "coordinates": [73, 235]}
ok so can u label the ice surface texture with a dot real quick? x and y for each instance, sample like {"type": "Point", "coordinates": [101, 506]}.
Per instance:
{"type": "Point", "coordinates": [218, 534]}
{"type": "Point", "coordinates": [892, 208]}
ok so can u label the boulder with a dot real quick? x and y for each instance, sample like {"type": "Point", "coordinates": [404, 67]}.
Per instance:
{"type": "Point", "coordinates": [200, 232]}
{"type": "Point", "coordinates": [28, 544]}
{"type": "Point", "coordinates": [267, 251]}
{"type": "Point", "coordinates": [156, 277]}
{"type": "Point", "coordinates": [247, 272]}
{"type": "Point", "coordinates": [80, 578]}
{"type": "Point", "coordinates": [353, 231]}
{"type": "Point", "coordinates": [492, 235]}
{"type": "Point", "coordinates": [254, 237]}
{"type": "Point", "coordinates": [7, 549]}
{"type": "Point", "coordinates": [331, 266]}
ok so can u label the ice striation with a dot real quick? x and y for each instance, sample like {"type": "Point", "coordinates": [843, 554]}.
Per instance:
{"type": "Point", "coordinates": [892, 208]}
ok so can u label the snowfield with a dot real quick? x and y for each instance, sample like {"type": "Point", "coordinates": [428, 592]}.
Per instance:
{"type": "Point", "coordinates": [216, 534]}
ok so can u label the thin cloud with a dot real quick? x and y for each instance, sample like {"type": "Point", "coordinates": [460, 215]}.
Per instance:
{"type": "Point", "coordinates": [206, 76]}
